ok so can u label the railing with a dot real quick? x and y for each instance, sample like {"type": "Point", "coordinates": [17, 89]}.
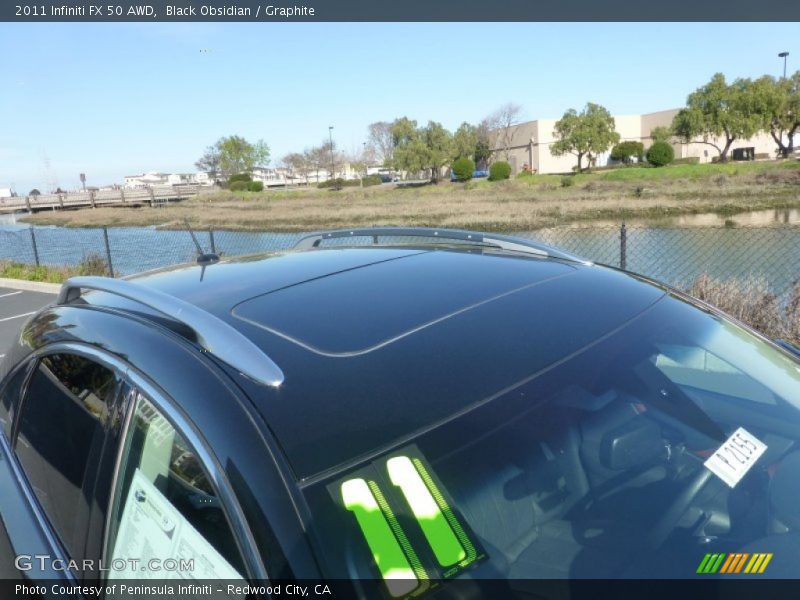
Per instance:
{"type": "Point", "coordinates": [120, 196]}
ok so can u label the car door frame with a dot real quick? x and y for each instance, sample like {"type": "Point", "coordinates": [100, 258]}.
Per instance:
{"type": "Point", "coordinates": [28, 515]}
{"type": "Point", "coordinates": [185, 427]}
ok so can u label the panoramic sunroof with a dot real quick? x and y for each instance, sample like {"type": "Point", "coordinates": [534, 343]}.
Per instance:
{"type": "Point", "coordinates": [336, 315]}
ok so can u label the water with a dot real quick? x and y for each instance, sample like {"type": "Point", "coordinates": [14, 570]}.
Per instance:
{"type": "Point", "coordinates": [763, 244]}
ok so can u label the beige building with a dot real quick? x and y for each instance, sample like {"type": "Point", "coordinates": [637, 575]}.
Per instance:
{"type": "Point", "coordinates": [529, 143]}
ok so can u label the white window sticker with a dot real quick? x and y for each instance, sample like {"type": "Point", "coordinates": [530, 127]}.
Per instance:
{"type": "Point", "coordinates": [731, 461]}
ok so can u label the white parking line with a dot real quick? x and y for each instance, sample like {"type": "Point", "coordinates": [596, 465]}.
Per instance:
{"type": "Point", "coordinates": [11, 294]}
{"type": "Point", "coordinates": [17, 316]}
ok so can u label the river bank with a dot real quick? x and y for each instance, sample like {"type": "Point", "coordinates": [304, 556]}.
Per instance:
{"type": "Point", "coordinates": [522, 204]}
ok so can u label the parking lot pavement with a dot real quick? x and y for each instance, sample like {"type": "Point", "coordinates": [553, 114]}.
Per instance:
{"type": "Point", "coordinates": [15, 307]}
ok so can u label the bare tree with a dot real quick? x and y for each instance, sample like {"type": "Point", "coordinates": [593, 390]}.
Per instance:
{"type": "Point", "coordinates": [502, 123]}
{"type": "Point", "coordinates": [380, 144]}
{"type": "Point", "coordinates": [297, 163]}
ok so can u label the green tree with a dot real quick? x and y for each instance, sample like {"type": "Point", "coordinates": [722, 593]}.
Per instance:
{"type": "Point", "coordinates": [421, 148]}
{"type": "Point", "coordinates": [777, 102]}
{"type": "Point", "coordinates": [232, 155]}
{"type": "Point", "coordinates": [587, 133]}
{"type": "Point", "coordinates": [719, 110]}
{"type": "Point", "coordinates": [439, 142]}
{"type": "Point", "coordinates": [465, 141]}
{"type": "Point", "coordinates": [625, 151]}
{"type": "Point", "coordinates": [661, 134]}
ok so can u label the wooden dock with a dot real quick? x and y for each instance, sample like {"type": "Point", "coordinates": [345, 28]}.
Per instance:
{"type": "Point", "coordinates": [152, 196]}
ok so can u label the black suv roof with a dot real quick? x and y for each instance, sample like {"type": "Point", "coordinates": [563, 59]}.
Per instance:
{"type": "Point", "coordinates": [379, 343]}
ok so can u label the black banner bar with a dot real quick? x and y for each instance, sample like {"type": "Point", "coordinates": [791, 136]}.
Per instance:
{"type": "Point", "coordinates": [276, 11]}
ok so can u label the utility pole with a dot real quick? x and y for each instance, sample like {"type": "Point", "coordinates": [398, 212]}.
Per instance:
{"type": "Point", "coordinates": [330, 146]}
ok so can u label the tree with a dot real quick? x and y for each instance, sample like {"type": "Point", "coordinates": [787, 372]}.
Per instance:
{"type": "Point", "coordinates": [778, 104]}
{"type": "Point", "coordinates": [379, 142]}
{"type": "Point", "coordinates": [465, 141]}
{"type": "Point", "coordinates": [209, 162]}
{"type": "Point", "coordinates": [625, 151]}
{"type": "Point", "coordinates": [34, 192]}
{"type": "Point", "coordinates": [719, 110]}
{"type": "Point", "coordinates": [587, 133]}
{"type": "Point", "coordinates": [421, 148]}
{"type": "Point", "coordinates": [502, 123]}
{"type": "Point", "coordinates": [483, 146]}
{"type": "Point", "coordinates": [661, 134]}
{"type": "Point", "coordinates": [297, 163]}
{"type": "Point", "coordinates": [232, 155]}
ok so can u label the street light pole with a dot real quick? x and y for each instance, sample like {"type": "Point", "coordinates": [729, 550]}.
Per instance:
{"type": "Point", "coordinates": [783, 55]}
{"type": "Point", "coordinates": [330, 137]}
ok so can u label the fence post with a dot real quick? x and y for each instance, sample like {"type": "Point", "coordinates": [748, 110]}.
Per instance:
{"type": "Point", "coordinates": [122, 195]}
{"type": "Point", "coordinates": [623, 246]}
{"type": "Point", "coordinates": [35, 248]}
{"type": "Point", "coordinates": [211, 241]}
{"type": "Point", "coordinates": [28, 203]}
{"type": "Point", "coordinates": [152, 197]}
{"type": "Point", "coordinates": [108, 252]}
{"type": "Point", "coordinates": [91, 198]}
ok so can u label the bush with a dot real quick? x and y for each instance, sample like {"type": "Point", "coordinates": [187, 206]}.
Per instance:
{"type": "Point", "coordinates": [463, 169]}
{"type": "Point", "coordinates": [238, 186]}
{"type": "Point", "coordinates": [255, 186]}
{"type": "Point", "coordinates": [338, 183]}
{"type": "Point", "coordinates": [499, 170]}
{"type": "Point", "coordinates": [660, 154]}
{"type": "Point", "coordinates": [625, 151]}
{"type": "Point", "coordinates": [93, 264]}
{"type": "Point", "coordinates": [240, 177]}
{"type": "Point", "coordinates": [371, 180]}
{"type": "Point", "coordinates": [524, 174]}
{"type": "Point", "coordinates": [567, 181]}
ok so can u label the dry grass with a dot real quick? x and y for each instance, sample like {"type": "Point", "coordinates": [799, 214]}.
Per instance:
{"type": "Point", "coordinates": [93, 264]}
{"type": "Point", "coordinates": [751, 301]}
{"type": "Point", "coordinates": [518, 205]}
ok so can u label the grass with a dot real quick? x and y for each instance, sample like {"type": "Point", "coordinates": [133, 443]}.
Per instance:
{"type": "Point", "coordinates": [91, 265]}
{"type": "Point", "coordinates": [521, 204]}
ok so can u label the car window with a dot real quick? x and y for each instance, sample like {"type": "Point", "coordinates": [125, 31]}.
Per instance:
{"type": "Point", "coordinates": [10, 395]}
{"type": "Point", "coordinates": [62, 424]}
{"type": "Point", "coordinates": [165, 508]}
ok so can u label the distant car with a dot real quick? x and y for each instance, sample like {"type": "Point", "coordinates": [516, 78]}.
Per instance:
{"type": "Point", "coordinates": [423, 411]}
{"type": "Point", "coordinates": [475, 175]}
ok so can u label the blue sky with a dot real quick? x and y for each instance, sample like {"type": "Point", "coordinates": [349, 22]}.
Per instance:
{"type": "Point", "coordinates": [117, 99]}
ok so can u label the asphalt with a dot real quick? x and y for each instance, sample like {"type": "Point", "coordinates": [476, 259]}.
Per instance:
{"type": "Point", "coordinates": [15, 307]}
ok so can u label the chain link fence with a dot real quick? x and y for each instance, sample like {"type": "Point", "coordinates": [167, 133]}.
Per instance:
{"type": "Point", "coordinates": [752, 273]}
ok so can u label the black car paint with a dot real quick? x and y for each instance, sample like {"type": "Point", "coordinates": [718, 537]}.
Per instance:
{"type": "Point", "coordinates": [286, 435]}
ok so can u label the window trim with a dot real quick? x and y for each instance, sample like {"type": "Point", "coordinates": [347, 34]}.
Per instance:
{"type": "Point", "coordinates": [184, 426]}
{"type": "Point", "coordinates": [32, 361]}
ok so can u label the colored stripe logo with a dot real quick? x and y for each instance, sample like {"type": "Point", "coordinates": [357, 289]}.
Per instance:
{"type": "Point", "coordinates": [737, 562]}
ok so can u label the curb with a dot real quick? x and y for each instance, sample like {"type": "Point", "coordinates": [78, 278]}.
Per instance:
{"type": "Point", "coordinates": [30, 286]}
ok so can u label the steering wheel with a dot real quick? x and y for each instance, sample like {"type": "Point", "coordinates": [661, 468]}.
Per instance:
{"type": "Point", "coordinates": [667, 523]}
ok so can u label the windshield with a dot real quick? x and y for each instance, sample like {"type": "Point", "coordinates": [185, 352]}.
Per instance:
{"type": "Point", "coordinates": [669, 449]}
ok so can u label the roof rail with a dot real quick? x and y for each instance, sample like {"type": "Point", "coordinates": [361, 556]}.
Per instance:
{"type": "Point", "coordinates": [213, 334]}
{"type": "Point", "coordinates": [504, 242]}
